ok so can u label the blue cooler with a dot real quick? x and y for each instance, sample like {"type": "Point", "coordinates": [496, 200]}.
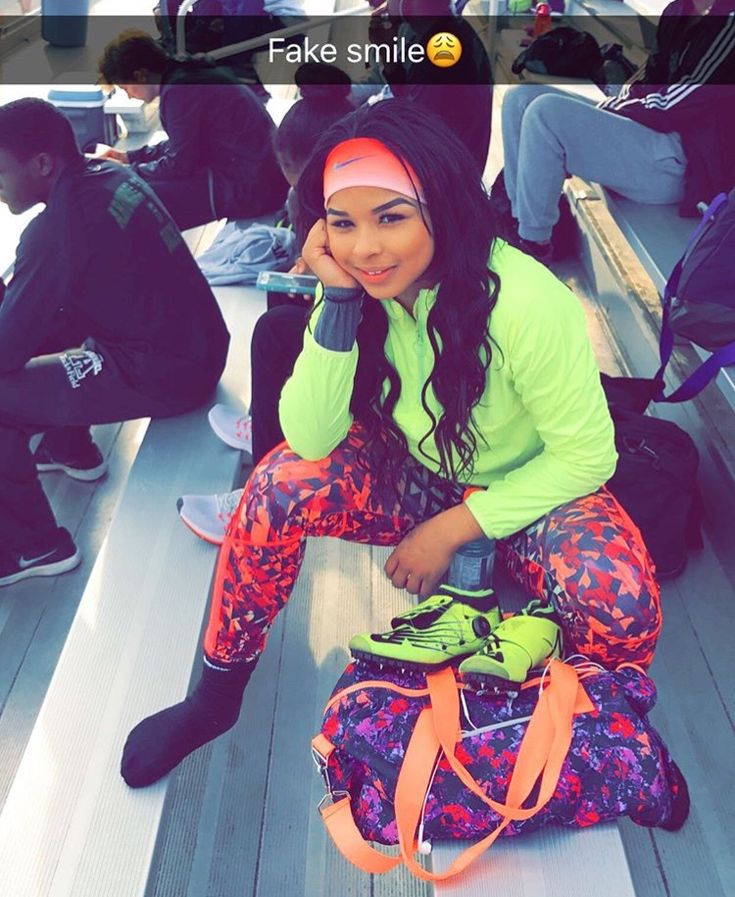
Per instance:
{"type": "Point", "coordinates": [84, 107]}
{"type": "Point", "coordinates": [64, 22]}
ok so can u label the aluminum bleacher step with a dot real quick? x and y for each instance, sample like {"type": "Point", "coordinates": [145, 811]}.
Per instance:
{"type": "Point", "coordinates": [70, 825]}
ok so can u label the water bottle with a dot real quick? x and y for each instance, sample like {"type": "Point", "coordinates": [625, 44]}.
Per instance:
{"type": "Point", "coordinates": [472, 566]}
{"type": "Point", "coordinates": [542, 20]}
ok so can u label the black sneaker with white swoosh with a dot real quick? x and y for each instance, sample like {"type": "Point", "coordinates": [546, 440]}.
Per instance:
{"type": "Point", "coordinates": [86, 464]}
{"type": "Point", "coordinates": [44, 560]}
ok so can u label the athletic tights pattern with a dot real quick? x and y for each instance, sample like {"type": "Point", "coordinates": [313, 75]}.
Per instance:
{"type": "Point", "coordinates": [587, 557]}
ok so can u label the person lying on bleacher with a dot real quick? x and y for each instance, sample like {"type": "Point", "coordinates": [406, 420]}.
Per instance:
{"type": "Point", "coordinates": [218, 160]}
{"type": "Point", "coordinates": [106, 262]}
{"type": "Point", "coordinates": [666, 137]}
{"type": "Point", "coordinates": [430, 363]}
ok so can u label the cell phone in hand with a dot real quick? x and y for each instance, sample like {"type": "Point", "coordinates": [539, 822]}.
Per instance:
{"type": "Point", "coordinates": [278, 282]}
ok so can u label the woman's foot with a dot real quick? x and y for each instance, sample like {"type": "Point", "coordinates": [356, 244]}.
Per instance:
{"type": "Point", "coordinates": [160, 742]}
{"type": "Point", "coordinates": [208, 516]}
{"type": "Point", "coordinates": [233, 428]}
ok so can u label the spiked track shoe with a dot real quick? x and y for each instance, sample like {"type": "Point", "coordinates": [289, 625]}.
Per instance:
{"type": "Point", "coordinates": [515, 648]}
{"type": "Point", "coordinates": [444, 627]}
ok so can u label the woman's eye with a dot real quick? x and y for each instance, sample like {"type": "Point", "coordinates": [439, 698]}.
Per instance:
{"type": "Point", "coordinates": [391, 218]}
{"type": "Point", "coordinates": [340, 224]}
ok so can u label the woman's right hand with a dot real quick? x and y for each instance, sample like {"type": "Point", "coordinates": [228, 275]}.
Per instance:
{"type": "Point", "coordinates": [315, 253]}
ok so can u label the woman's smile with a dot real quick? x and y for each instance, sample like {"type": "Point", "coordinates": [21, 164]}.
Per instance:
{"type": "Point", "coordinates": [376, 275]}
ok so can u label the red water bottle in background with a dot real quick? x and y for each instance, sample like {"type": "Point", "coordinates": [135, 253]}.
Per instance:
{"type": "Point", "coordinates": [542, 19]}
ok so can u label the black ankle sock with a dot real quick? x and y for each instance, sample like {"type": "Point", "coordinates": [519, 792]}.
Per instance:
{"type": "Point", "coordinates": [160, 742]}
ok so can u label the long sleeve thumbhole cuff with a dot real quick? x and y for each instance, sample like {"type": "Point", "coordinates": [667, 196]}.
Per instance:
{"type": "Point", "coordinates": [341, 295]}
{"type": "Point", "coordinates": [336, 328]}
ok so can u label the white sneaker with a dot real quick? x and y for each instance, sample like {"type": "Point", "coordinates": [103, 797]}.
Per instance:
{"type": "Point", "coordinates": [232, 427]}
{"type": "Point", "coordinates": [208, 516]}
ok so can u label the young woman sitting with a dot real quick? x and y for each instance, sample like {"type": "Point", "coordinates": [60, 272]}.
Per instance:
{"type": "Point", "coordinates": [437, 357]}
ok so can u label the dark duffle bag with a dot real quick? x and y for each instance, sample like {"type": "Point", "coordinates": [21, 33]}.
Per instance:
{"type": "Point", "coordinates": [411, 758]}
{"type": "Point", "coordinates": [656, 477]}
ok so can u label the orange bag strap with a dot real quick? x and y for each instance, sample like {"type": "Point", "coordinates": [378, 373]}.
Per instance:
{"type": "Point", "coordinates": [340, 823]}
{"type": "Point", "coordinates": [343, 831]}
{"type": "Point", "coordinates": [413, 784]}
{"type": "Point", "coordinates": [375, 683]}
{"type": "Point", "coordinates": [542, 752]}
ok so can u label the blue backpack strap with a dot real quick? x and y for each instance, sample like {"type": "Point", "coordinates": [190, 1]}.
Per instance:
{"type": "Point", "coordinates": [707, 371]}
{"type": "Point", "coordinates": [725, 355]}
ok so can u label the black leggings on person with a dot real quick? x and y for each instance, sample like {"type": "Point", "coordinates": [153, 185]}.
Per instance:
{"type": "Point", "coordinates": [276, 344]}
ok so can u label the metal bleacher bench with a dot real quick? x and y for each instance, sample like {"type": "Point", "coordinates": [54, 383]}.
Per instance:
{"type": "Point", "coordinates": [70, 825]}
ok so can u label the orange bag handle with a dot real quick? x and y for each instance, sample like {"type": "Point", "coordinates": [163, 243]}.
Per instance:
{"type": "Point", "coordinates": [544, 746]}
{"type": "Point", "coordinates": [542, 752]}
{"type": "Point", "coordinates": [413, 784]}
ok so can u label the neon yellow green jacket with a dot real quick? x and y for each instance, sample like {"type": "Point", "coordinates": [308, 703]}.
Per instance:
{"type": "Point", "coordinates": [544, 415]}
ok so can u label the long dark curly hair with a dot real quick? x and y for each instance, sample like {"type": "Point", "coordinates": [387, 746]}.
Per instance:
{"type": "Point", "coordinates": [463, 230]}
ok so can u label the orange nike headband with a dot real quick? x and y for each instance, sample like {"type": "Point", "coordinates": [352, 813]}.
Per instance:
{"type": "Point", "coordinates": [366, 162]}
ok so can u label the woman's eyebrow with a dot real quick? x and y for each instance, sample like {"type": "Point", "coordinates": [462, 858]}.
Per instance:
{"type": "Point", "coordinates": [399, 200]}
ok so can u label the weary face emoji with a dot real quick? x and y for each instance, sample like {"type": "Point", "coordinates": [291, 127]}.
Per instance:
{"type": "Point", "coordinates": [444, 49]}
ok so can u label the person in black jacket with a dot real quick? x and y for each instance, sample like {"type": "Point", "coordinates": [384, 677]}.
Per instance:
{"type": "Point", "coordinates": [218, 160]}
{"type": "Point", "coordinates": [665, 137]}
{"type": "Point", "coordinates": [460, 95]}
{"type": "Point", "coordinates": [104, 264]}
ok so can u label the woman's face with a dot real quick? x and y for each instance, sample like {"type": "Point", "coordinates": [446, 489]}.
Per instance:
{"type": "Point", "coordinates": [290, 170]}
{"type": "Point", "coordinates": [380, 238]}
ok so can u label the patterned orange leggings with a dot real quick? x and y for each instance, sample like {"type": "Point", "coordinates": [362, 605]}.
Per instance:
{"type": "Point", "coordinates": [586, 557]}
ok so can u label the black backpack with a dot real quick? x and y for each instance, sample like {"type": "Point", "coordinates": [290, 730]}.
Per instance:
{"type": "Point", "coordinates": [561, 51]}
{"type": "Point", "coordinates": [656, 477]}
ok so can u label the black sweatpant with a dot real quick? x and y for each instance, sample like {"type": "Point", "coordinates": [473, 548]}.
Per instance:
{"type": "Point", "coordinates": [69, 389]}
{"type": "Point", "coordinates": [277, 341]}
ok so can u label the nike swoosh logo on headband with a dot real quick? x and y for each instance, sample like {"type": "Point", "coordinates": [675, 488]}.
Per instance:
{"type": "Point", "coordinates": [350, 161]}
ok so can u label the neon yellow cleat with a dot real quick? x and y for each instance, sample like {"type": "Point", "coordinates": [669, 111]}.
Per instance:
{"type": "Point", "coordinates": [515, 647]}
{"type": "Point", "coordinates": [448, 625]}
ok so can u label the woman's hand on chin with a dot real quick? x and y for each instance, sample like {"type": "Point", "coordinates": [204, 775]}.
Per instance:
{"type": "Point", "coordinates": [316, 255]}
